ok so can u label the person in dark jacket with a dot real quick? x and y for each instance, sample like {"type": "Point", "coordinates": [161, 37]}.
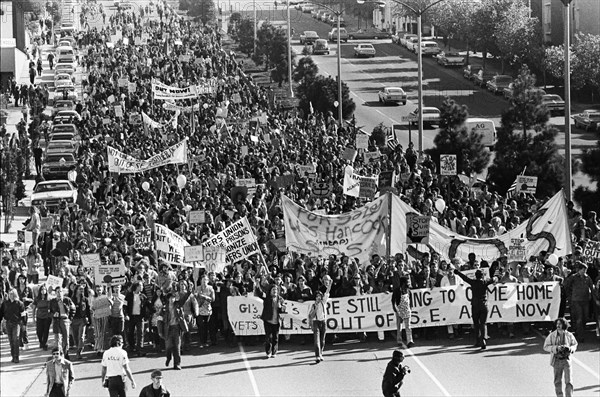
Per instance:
{"type": "Point", "coordinates": [156, 388]}
{"type": "Point", "coordinates": [81, 319]}
{"type": "Point", "coordinates": [394, 375]}
{"type": "Point", "coordinates": [479, 309]}
{"type": "Point", "coordinates": [137, 305]}
{"type": "Point", "coordinates": [62, 309]}
{"type": "Point", "coordinates": [273, 306]}
{"type": "Point", "coordinates": [12, 310]}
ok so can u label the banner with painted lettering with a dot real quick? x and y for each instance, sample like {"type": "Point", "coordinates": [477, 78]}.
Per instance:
{"type": "Point", "coordinates": [358, 233]}
{"type": "Point", "coordinates": [122, 163]}
{"type": "Point", "coordinates": [170, 246]}
{"type": "Point", "coordinates": [591, 249]}
{"type": "Point", "coordinates": [143, 239]}
{"type": "Point", "coordinates": [238, 239]}
{"type": "Point", "coordinates": [513, 303]}
{"type": "Point", "coordinates": [210, 258]}
{"type": "Point", "coordinates": [547, 230]}
{"type": "Point", "coordinates": [162, 91]}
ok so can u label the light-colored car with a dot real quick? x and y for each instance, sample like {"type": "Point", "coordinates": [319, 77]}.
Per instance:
{"type": "Point", "coordinates": [588, 120]}
{"type": "Point", "coordinates": [364, 50]}
{"type": "Point", "coordinates": [66, 115]}
{"type": "Point", "coordinates": [405, 37]}
{"type": "Point", "coordinates": [392, 95]}
{"type": "Point", "coordinates": [60, 146]}
{"type": "Point", "coordinates": [498, 83]}
{"type": "Point", "coordinates": [431, 115]}
{"type": "Point", "coordinates": [554, 103]}
{"type": "Point", "coordinates": [308, 8]}
{"type": "Point", "coordinates": [321, 47]}
{"type": "Point", "coordinates": [333, 35]}
{"type": "Point", "coordinates": [58, 78]}
{"type": "Point", "coordinates": [429, 48]}
{"type": "Point", "coordinates": [53, 192]}
{"type": "Point", "coordinates": [64, 68]}
{"type": "Point", "coordinates": [308, 37]}
{"type": "Point", "coordinates": [65, 91]}
{"type": "Point", "coordinates": [67, 61]}
{"type": "Point", "coordinates": [448, 59]}
{"type": "Point", "coordinates": [411, 44]}
{"type": "Point", "coordinates": [60, 128]}
{"type": "Point", "coordinates": [63, 104]}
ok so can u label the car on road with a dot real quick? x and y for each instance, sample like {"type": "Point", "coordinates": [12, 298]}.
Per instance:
{"type": "Point", "coordinates": [53, 192]}
{"type": "Point", "coordinates": [498, 83]}
{"type": "Point", "coordinates": [588, 120]}
{"type": "Point", "coordinates": [63, 76]}
{"type": "Point", "coordinates": [369, 35]}
{"type": "Point", "coordinates": [448, 59]}
{"type": "Point", "coordinates": [554, 103]}
{"type": "Point", "coordinates": [364, 50]}
{"type": "Point", "coordinates": [470, 71]}
{"type": "Point", "coordinates": [392, 95]}
{"type": "Point", "coordinates": [321, 47]}
{"type": "Point", "coordinates": [64, 68]}
{"type": "Point", "coordinates": [60, 147]}
{"type": "Point", "coordinates": [431, 115]}
{"type": "Point", "coordinates": [62, 104]}
{"type": "Point", "coordinates": [412, 43]}
{"type": "Point", "coordinates": [308, 8]}
{"type": "Point", "coordinates": [60, 128]}
{"type": "Point", "coordinates": [485, 127]}
{"type": "Point", "coordinates": [63, 92]}
{"type": "Point", "coordinates": [429, 48]}
{"type": "Point", "coordinates": [66, 116]}
{"type": "Point", "coordinates": [67, 61]}
{"type": "Point", "coordinates": [482, 77]}
{"type": "Point", "coordinates": [308, 37]}
{"type": "Point", "coordinates": [405, 37]}
{"type": "Point", "coordinates": [333, 35]}
{"type": "Point", "coordinates": [57, 165]}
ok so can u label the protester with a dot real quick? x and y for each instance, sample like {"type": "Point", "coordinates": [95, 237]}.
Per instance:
{"type": "Point", "coordinates": [137, 305]}
{"type": "Point", "coordinates": [273, 307]}
{"type": "Point", "coordinates": [62, 310]}
{"type": "Point", "coordinates": [561, 344]}
{"type": "Point", "coordinates": [579, 288]}
{"type": "Point", "coordinates": [401, 305]}
{"type": "Point", "coordinates": [59, 375]}
{"type": "Point", "coordinates": [156, 388]}
{"type": "Point", "coordinates": [41, 316]}
{"type": "Point", "coordinates": [205, 295]}
{"type": "Point", "coordinates": [81, 318]}
{"type": "Point", "coordinates": [13, 311]}
{"type": "Point", "coordinates": [115, 366]}
{"type": "Point", "coordinates": [394, 374]}
{"type": "Point", "coordinates": [317, 319]}
{"type": "Point", "coordinates": [26, 296]}
{"type": "Point", "coordinates": [172, 326]}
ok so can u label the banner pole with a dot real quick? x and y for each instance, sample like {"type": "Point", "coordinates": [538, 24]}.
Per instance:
{"type": "Point", "coordinates": [389, 231]}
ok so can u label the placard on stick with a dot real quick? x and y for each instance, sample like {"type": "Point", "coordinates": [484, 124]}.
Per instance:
{"type": "Point", "coordinates": [417, 228]}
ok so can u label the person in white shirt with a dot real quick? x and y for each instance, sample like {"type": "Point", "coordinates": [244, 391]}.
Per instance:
{"type": "Point", "coordinates": [317, 318]}
{"type": "Point", "coordinates": [115, 365]}
{"type": "Point", "coordinates": [561, 344]}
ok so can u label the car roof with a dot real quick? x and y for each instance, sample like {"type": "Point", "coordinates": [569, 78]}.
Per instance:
{"type": "Point", "coordinates": [322, 41]}
{"type": "Point", "coordinates": [310, 32]}
{"type": "Point", "coordinates": [428, 42]}
{"type": "Point", "coordinates": [393, 88]}
{"type": "Point", "coordinates": [53, 182]}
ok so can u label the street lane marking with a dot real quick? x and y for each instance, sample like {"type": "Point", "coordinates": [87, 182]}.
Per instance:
{"type": "Point", "coordinates": [428, 372]}
{"type": "Point", "coordinates": [249, 370]}
{"type": "Point", "coordinates": [575, 360]}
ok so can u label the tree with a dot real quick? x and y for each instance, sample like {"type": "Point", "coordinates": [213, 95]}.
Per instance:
{"type": "Point", "coordinates": [527, 142]}
{"type": "Point", "coordinates": [246, 36]}
{"type": "Point", "coordinates": [584, 55]}
{"type": "Point", "coordinates": [306, 69]}
{"type": "Point", "coordinates": [487, 17]}
{"type": "Point", "coordinates": [590, 199]}
{"type": "Point", "coordinates": [203, 9]}
{"type": "Point", "coordinates": [264, 37]}
{"type": "Point", "coordinates": [454, 138]}
{"type": "Point", "coordinates": [379, 134]}
{"type": "Point", "coordinates": [278, 56]}
{"type": "Point", "coordinates": [322, 92]}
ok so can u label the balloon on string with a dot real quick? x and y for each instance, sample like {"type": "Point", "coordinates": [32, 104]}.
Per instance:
{"type": "Point", "coordinates": [205, 106]}
{"type": "Point", "coordinates": [553, 259]}
{"type": "Point", "coordinates": [181, 181]}
{"type": "Point", "coordinates": [145, 186]}
{"type": "Point", "coordinates": [440, 205]}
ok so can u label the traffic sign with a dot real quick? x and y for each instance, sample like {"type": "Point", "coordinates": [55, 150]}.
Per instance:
{"type": "Point", "coordinates": [410, 117]}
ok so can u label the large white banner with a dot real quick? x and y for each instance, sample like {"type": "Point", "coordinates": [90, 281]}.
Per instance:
{"type": "Point", "coordinates": [170, 246]}
{"type": "Point", "coordinates": [358, 234]}
{"type": "Point", "coordinates": [238, 239]}
{"type": "Point", "coordinates": [125, 164]}
{"type": "Point", "coordinates": [512, 303]}
{"type": "Point", "coordinates": [162, 91]}
{"type": "Point", "coordinates": [547, 230]}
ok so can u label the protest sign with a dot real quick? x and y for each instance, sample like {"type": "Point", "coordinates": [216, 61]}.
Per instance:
{"type": "Point", "coordinates": [358, 233]}
{"type": "Point", "coordinates": [236, 98]}
{"type": "Point", "coordinates": [517, 251]}
{"type": "Point", "coordinates": [104, 271]}
{"type": "Point", "coordinates": [52, 282]}
{"type": "Point", "coordinates": [368, 187]}
{"type": "Point", "coordinates": [244, 150]}
{"type": "Point", "coordinates": [351, 182]}
{"type": "Point", "coordinates": [238, 239]}
{"type": "Point", "coordinates": [106, 121]}
{"type": "Point", "coordinates": [349, 154]}
{"type": "Point", "coordinates": [321, 189]}
{"type": "Point", "coordinates": [123, 83]}
{"type": "Point", "coordinates": [527, 184]}
{"type": "Point", "coordinates": [163, 91]}
{"type": "Point", "coordinates": [371, 156]}
{"type": "Point", "coordinates": [143, 239]}
{"type": "Point", "coordinates": [118, 111]}
{"type": "Point", "coordinates": [591, 249]}
{"type": "Point", "coordinates": [448, 164]}
{"type": "Point", "coordinates": [386, 180]}
{"type": "Point", "coordinates": [135, 119]}
{"type": "Point", "coordinates": [527, 302]}
{"type": "Point", "coordinates": [170, 246]}
{"type": "Point", "coordinates": [304, 170]}
{"type": "Point", "coordinates": [362, 141]}
{"type": "Point", "coordinates": [417, 227]}
{"type": "Point", "coordinates": [213, 259]}
{"type": "Point", "coordinates": [284, 181]}
{"type": "Point", "coordinates": [131, 87]}
{"type": "Point", "coordinates": [122, 163]}
{"type": "Point", "coordinates": [197, 217]}
{"type": "Point", "coordinates": [46, 224]}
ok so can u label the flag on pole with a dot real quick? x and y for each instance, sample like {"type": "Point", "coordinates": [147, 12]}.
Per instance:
{"type": "Point", "coordinates": [513, 188]}
{"type": "Point", "coordinates": [391, 142]}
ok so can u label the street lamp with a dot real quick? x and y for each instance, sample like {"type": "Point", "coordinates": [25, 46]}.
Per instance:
{"type": "Point", "coordinates": [567, 76]}
{"type": "Point", "coordinates": [418, 11]}
{"type": "Point", "coordinates": [289, 33]}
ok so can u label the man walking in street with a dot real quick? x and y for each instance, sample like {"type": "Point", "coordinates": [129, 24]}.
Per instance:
{"type": "Point", "coordinates": [156, 388]}
{"type": "Point", "coordinates": [59, 375]}
{"type": "Point", "coordinates": [115, 365]}
{"type": "Point", "coordinates": [13, 310]}
{"type": "Point", "coordinates": [561, 344]}
{"type": "Point", "coordinates": [394, 375]}
{"type": "Point", "coordinates": [579, 288]}
{"type": "Point", "coordinates": [62, 309]}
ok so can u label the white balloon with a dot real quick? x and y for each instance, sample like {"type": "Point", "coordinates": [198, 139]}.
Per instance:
{"type": "Point", "coordinates": [440, 205]}
{"type": "Point", "coordinates": [553, 259]}
{"type": "Point", "coordinates": [145, 186]}
{"type": "Point", "coordinates": [181, 181]}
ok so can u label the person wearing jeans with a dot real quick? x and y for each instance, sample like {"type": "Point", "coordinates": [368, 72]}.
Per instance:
{"type": "Point", "coordinates": [12, 311]}
{"type": "Point", "coordinates": [273, 306]}
{"type": "Point", "coordinates": [173, 324]}
{"type": "Point", "coordinates": [62, 310]}
{"type": "Point", "coordinates": [318, 317]}
{"type": "Point", "coordinates": [116, 321]}
{"type": "Point", "coordinates": [579, 288]}
{"type": "Point", "coordinates": [561, 344]}
{"type": "Point", "coordinates": [205, 295]}
{"type": "Point", "coordinates": [81, 319]}
{"type": "Point", "coordinates": [41, 316]}
{"type": "Point", "coordinates": [136, 310]}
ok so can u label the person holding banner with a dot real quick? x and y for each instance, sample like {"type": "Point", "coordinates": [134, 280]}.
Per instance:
{"type": "Point", "coordinates": [317, 319]}
{"type": "Point", "coordinates": [273, 306]}
{"type": "Point", "coordinates": [100, 306]}
{"type": "Point", "coordinates": [401, 305]}
{"type": "Point", "coordinates": [561, 344]}
{"type": "Point", "coordinates": [479, 309]}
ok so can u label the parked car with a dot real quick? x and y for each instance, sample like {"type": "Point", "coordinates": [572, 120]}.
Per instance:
{"type": "Point", "coordinates": [307, 8]}
{"type": "Point", "coordinates": [485, 127]}
{"type": "Point", "coordinates": [321, 47]}
{"type": "Point", "coordinates": [64, 68]}
{"type": "Point", "coordinates": [392, 95]}
{"type": "Point", "coordinates": [308, 37]}
{"type": "Point", "coordinates": [470, 71]}
{"type": "Point", "coordinates": [53, 192]}
{"type": "Point", "coordinates": [405, 37]}
{"type": "Point", "coordinates": [588, 120]}
{"type": "Point", "coordinates": [62, 104]}
{"type": "Point", "coordinates": [67, 61]}
{"type": "Point", "coordinates": [429, 48]}
{"type": "Point", "coordinates": [554, 103]}
{"type": "Point", "coordinates": [431, 116]}
{"type": "Point", "coordinates": [508, 91]}
{"type": "Point", "coordinates": [498, 83]}
{"type": "Point", "coordinates": [63, 76]}
{"type": "Point", "coordinates": [448, 59]}
{"type": "Point", "coordinates": [411, 43]}
{"type": "Point", "coordinates": [333, 35]}
{"type": "Point", "coordinates": [66, 116]}
{"type": "Point", "coordinates": [481, 78]}
{"type": "Point", "coordinates": [320, 14]}
{"type": "Point", "coordinates": [369, 35]}
{"type": "Point", "coordinates": [58, 128]}
{"type": "Point", "coordinates": [364, 50]}
{"type": "Point", "coordinates": [57, 165]}
{"type": "Point", "coordinates": [60, 147]}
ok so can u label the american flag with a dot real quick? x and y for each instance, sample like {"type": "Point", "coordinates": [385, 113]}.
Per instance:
{"type": "Point", "coordinates": [391, 142]}
{"type": "Point", "coordinates": [512, 190]}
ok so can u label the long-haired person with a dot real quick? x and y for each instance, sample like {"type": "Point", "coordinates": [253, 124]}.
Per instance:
{"type": "Point", "coordinates": [26, 296]}
{"type": "Point", "coordinates": [273, 307]}
{"type": "Point", "coordinates": [81, 319]}
{"type": "Point", "coordinates": [41, 316]}
{"type": "Point", "coordinates": [34, 261]}
{"type": "Point", "coordinates": [100, 306]}
{"type": "Point", "coordinates": [12, 310]}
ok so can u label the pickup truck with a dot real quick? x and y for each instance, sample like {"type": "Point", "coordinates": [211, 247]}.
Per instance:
{"type": "Point", "coordinates": [447, 59]}
{"type": "Point", "coordinates": [332, 36]}
{"type": "Point", "coordinates": [481, 78]}
{"type": "Point", "coordinates": [588, 120]}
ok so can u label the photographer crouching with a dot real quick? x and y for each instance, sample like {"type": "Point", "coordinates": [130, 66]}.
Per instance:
{"type": "Point", "coordinates": [394, 375]}
{"type": "Point", "coordinates": [561, 344]}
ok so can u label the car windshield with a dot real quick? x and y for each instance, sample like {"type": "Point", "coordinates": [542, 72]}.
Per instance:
{"type": "Point", "coordinates": [57, 158]}
{"type": "Point", "coordinates": [552, 98]}
{"type": "Point", "coordinates": [65, 60]}
{"type": "Point", "coordinates": [453, 54]}
{"type": "Point", "coordinates": [503, 79]}
{"type": "Point", "coordinates": [430, 110]}
{"type": "Point", "coordinates": [52, 187]}
{"type": "Point", "coordinates": [395, 90]}
{"type": "Point", "coordinates": [62, 137]}
{"type": "Point", "coordinates": [595, 116]}
{"type": "Point", "coordinates": [311, 34]}
{"type": "Point", "coordinates": [430, 44]}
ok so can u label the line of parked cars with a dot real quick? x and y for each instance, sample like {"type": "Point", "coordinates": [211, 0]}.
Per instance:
{"type": "Point", "coordinates": [323, 15]}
